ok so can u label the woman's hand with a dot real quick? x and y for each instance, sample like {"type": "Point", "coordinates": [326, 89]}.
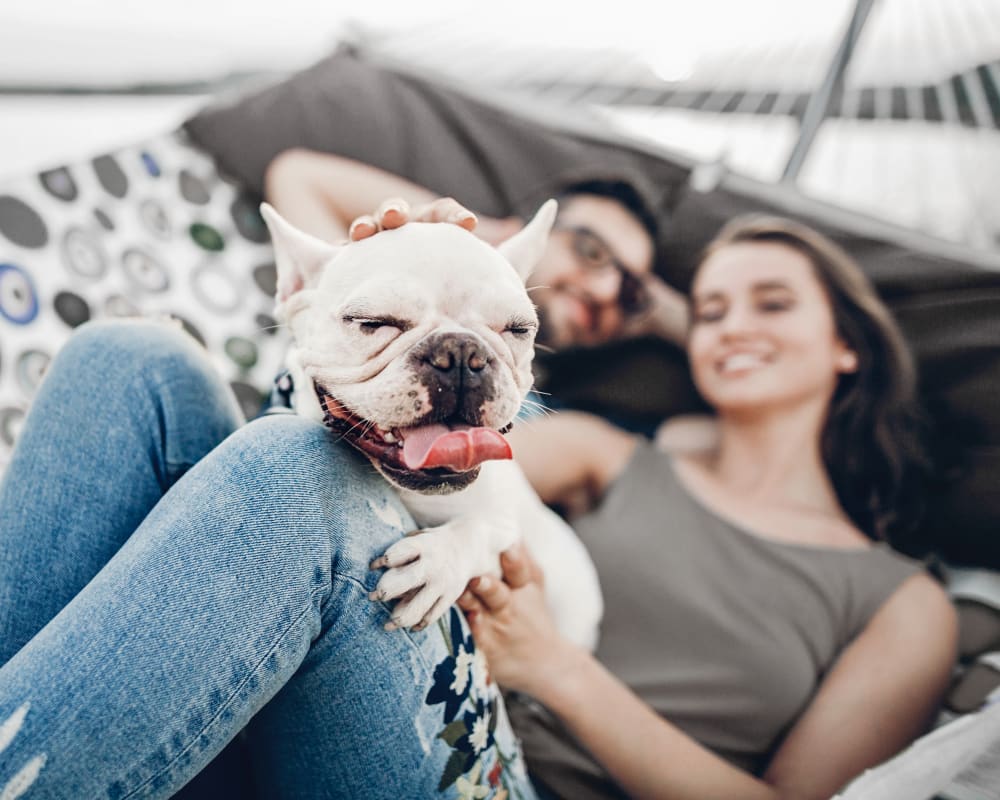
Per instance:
{"type": "Point", "coordinates": [513, 627]}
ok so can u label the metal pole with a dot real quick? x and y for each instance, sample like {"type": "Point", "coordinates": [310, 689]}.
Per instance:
{"type": "Point", "coordinates": [833, 83]}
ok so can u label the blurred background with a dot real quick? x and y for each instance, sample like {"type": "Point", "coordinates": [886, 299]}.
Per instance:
{"type": "Point", "coordinates": [889, 107]}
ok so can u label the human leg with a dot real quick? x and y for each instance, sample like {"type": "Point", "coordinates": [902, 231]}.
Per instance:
{"type": "Point", "coordinates": [123, 411]}
{"type": "Point", "coordinates": [251, 574]}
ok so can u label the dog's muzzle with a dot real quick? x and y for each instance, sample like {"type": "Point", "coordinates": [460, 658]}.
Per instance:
{"type": "Point", "coordinates": [437, 455]}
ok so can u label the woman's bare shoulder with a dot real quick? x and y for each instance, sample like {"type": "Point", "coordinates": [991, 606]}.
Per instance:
{"type": "Point", "coordinates": [688, 434]}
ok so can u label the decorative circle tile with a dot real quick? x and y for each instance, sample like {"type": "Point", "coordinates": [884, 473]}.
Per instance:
{"type": "Point", "coordinates": [104, 220]}
{"type": "Point", "coordinates": [190, 328]}
{"type": "Point", "coordinates": [71, 308]}
{"type": "Point", "coordinates": [242, 352]}
{"type": "Point", "coordinates": [215, 288]}
{"type": "Point", "coordinates": [266, 324]}
{"type": "Point", "coordinates": [193, 188]}
{"type": "Point", "coordinates": [18, 298]}
{"type": "Point", "coordinates": [117, 305]}
{"type": "Point", "coordinates": [83, 255]}
{"type": "Point", "coordinates": [59, 183]}
{"type": "Point", "coordinates": [111, 176]}
{"type": "Point", "coordinates": [31, 366]}
{"type": "Point", "coordinates": [154, 219]}
{"type": "Point", "coordinates": [250, 399]}
{"type": "Point", "coordinates": [245, 212]}
{"type": "Point", "coordinates": [266, 278]}
{"type": "Point", "coordinates": [207, 237]}
{"type": "Point", "coordinates": [151, 164]}
{"type": "Point", "coordinates": [145, 271]}
{"type": "Point", "coordinates": [10, 424]}
{"type": "Point", "coordinates": [20, 223]}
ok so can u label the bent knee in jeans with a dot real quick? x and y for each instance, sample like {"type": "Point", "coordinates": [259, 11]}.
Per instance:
{"type": "Point", "coordinates": [319, 479]}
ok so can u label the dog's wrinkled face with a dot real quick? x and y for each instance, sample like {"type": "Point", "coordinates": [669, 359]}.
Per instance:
{"type": "Point", "coordinates": [417, 342]}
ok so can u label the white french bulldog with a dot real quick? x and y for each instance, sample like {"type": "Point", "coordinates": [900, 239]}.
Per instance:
{"type": "Point", "coordinates": [415, 345]}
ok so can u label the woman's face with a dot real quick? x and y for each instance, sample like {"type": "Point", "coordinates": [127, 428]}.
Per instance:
{"type": "Point", "coordinates": [762, 334]}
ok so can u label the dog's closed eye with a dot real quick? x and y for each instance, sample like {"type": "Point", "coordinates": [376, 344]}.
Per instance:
{"type": "Point", "coordinates": [520, 328]}
{"type": "Point", "coordinates": [372, 324]}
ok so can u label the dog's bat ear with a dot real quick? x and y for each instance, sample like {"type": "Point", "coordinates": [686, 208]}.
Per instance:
{"type": "Point", "coordinates": [524, 249]}
{"type": "Point", "coordinates": [299, 257]}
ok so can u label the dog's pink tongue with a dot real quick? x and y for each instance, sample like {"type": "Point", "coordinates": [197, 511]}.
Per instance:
{"type": "Point", "coordinates": [431, 446]}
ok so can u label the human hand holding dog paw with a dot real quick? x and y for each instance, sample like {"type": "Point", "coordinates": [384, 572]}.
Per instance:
{"type": "Point", "coordinates": [425, 574]}
{"type": "Point", "coordinates": [512, 625]}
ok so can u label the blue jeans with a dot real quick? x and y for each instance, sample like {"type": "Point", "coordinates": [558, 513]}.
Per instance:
{"type": "Point", "coordinates": [170, 578]}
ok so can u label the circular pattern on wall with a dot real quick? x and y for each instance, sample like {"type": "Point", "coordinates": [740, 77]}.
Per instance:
{"type": "Point", "coordinates": [154, 219]}
{"type": "Point", "coordinates": [266, 324]}
{"type": "Point", "coordinates": [10, 424]}
{"type": "Point", "coordinates": [71, 308]}
{"type": "Point", "coordinates": [242, 352]}
{"type": "Point", "coordinates": [111, 176]}
{"type": "Point", "coordinates": [117, 305]}
{"type": "Point", "coordinates": [250, 399]}
{"type": "Point", "coordinates": [207, 237]}
{"type": "Point", "coordinates": [245, 212]}
{"type": "Point", "coordinates": [20, 223]}
{"type": "Point", "coordinates": [266, 278]}
{"type": "Point", "coordinates": [83, 255]}
{"type": "Point", "coordinates": [193, 189]}
{"type": "Point", "coordinates": [145, 271]}
{"type": "Point", "coordinates": [18, 298]}
{"type": "Point", "coordinates": [103, 219]}
{"type": "Point", "coordinates": [112, 237]}
{"type": "Point", "coordinates": [150, 163]}
{"type": "Point", "coordinates": [59, 183]}
{"type": "Point", "coordinates": [31, 366]}
{"type": "Point", "coordinates": [190, 328]}
{"type": "Point", "coordinates": [216, 288]}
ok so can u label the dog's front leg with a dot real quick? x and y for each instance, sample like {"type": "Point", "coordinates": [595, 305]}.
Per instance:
{"type": "Point", "coordinates": [428, 570]}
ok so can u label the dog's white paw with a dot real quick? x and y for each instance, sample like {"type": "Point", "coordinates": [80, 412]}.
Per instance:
{"type": "Point", "coordinates": [425, 573]}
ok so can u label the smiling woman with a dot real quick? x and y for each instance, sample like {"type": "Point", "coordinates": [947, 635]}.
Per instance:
{"type": "Point", "coordinates": [754, 618]}
{"type": "Point", "coordinates": [773, 293]}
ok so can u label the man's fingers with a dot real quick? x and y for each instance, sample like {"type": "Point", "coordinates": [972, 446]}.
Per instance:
{"type": "Point", "coordinates": [519, 568]}
{"type": "Point", "coordinates": [447, 209]}
{"type": "Point", "coordinates": [393, 213]}
{"type": "Point", "coordinates": [362, 228]}
{"type": "Point", "coordinates": [396, 212]}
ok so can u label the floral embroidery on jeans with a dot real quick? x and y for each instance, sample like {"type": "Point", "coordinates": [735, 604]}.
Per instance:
{"type": "Point", "coordinates": [462, 683]}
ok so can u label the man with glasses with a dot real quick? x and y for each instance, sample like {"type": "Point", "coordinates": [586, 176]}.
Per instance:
{"type": "Point", "coordinates": [594, 284]}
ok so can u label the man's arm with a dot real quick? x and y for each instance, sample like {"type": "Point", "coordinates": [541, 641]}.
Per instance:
{"type": "Point", "coordinates": [322, 193]}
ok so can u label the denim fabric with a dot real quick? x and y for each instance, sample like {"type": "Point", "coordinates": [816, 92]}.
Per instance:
{"type": "Point", "coordinates": [213, 578]}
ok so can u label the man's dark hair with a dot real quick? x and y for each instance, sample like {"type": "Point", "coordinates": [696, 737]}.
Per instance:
{"type": "Point", "coordinates": [622, 192]}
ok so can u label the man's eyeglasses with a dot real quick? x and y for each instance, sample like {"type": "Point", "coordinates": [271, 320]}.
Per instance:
{"type": "Point", "coordinates": [595, 255]}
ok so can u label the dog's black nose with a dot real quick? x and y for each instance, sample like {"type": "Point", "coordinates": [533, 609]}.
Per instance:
{"type": "Point", "coordinates": [457, 354]}
{"type": "Point", "coordinates": [457, 370]}
{"type": "Point", "coordinates": [459, 358]}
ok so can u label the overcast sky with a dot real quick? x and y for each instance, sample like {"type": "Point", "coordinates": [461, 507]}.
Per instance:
{"type": "Point", "coordinates": [67, 40]}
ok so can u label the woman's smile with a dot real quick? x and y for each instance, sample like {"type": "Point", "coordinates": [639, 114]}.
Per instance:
{"type": "Point", "coordinates": [741, 362]}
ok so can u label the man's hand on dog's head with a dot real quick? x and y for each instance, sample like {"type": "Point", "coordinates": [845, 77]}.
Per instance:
{"type": "Point", "coordinates": [396, 212]}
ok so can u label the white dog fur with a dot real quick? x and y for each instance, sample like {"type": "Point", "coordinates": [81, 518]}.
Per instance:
{"type": "Point", "coordinates": [367, 319]}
